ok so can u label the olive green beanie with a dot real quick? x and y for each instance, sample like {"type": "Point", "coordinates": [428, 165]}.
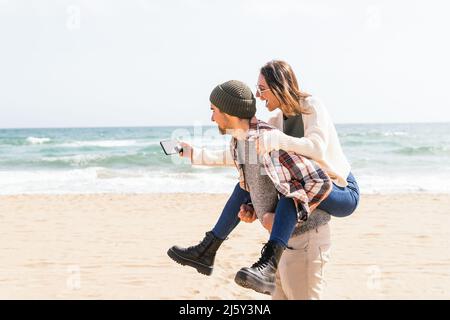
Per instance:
{"type": "Point", "coordinates": [234, 98]}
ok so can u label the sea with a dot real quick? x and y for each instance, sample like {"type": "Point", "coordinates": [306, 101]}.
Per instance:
{"type": "Point", "coordinates": [385, 158]}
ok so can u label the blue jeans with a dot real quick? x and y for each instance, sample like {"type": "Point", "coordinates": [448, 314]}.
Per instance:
{"type": "Point", "coordinates": [229, 219]}
{"type": "Point", "coordinates": [284, 221]}
{"type": "Point", "coordinates": [342, 201]}
{"type": "Point", "coordinates": [283, 225]}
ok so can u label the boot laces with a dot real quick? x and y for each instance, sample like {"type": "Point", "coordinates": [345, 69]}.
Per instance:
{"type": "Point", "coordinates": [263, 260]}
{"type": "Point", "coordinates": [201, 244]}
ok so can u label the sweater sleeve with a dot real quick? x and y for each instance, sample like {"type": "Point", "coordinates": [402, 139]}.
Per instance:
{"type": "Point", "coordinates": [203, 157]}
{"type": "Point", "coordinates": [314, 144]}
{"type": "Point", "coordinates": [276, 119]}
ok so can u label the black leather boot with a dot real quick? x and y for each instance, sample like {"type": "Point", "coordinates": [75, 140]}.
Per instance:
{"type": "Point", "coordinates": [200, 257]}
{"type": "Point", "coordinates": [261, 275]}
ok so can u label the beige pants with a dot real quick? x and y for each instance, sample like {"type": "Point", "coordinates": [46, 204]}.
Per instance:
{"type": "Point", "coordinates": [300, 274]}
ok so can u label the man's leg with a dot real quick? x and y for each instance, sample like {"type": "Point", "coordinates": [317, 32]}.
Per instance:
{"type": "Point", "coordinates": [278, 294]}
{"type": "Point", "coordinates": [301, 268]}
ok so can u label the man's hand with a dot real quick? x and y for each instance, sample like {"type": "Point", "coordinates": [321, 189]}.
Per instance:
{"type": "Point", "coordinates": [247, 213]}
{"type": "Point", "coordinates": [267, 220]}
{"type": "Point", "coordinates": [187, 150]}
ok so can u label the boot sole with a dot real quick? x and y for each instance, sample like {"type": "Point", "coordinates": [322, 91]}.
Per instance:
{"type": "Point", "coordinates": [249, 281]}
{"type": "Point", "coordinates": [201, 268]}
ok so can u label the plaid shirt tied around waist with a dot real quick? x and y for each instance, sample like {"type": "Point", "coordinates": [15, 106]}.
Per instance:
{"type": "Point", "coordinates": [293, 175]}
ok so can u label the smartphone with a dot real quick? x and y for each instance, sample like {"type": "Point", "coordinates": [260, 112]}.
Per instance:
{"type": "Point", "coordinates": [170, 147]}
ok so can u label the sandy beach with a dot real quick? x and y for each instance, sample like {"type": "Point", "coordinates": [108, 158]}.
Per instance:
{"type": "Point", "coordinates": [114, 247]}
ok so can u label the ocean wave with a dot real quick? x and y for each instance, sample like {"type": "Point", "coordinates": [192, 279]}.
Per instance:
{"type": "Point", "coordinates": [351, 142]}
{"type": "Point", "coordinates": [395, 134]}
{"type": "Point", "coordinates": [59, 159]}
{"type": "Point", "coordinates": [403, 183]}
{"type": "Point", "coordinates": [374, 134]}
{"type": "Point", "coordinates": [13, 142]}
{"type": "Point", "coordinates": [105, 160]}
{"type": "Point", "coordinates": [75, 160]}
{"type": "Point", "coordinates": [423, 150]}
{"type": "Point", "coordinates": [34, 140]}
{"type": "Point", "coordinates": [97, 180]}
{"type": "Point", "coordinates": [100, 143]}
{"type": "Point", "coordinates": [103, 173]}
{"type": "Point", "coordinates": [102, 180]}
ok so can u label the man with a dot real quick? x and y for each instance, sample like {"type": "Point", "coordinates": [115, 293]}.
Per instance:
{"type": "Point", "coordinates": [300, 183]}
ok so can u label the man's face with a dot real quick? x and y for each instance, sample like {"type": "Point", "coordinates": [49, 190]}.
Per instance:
{"type": "Point", "coordinates": [220, 118]}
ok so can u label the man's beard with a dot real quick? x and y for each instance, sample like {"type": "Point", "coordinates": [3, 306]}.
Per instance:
{"type": "Point", "coordinates": [222, 130]}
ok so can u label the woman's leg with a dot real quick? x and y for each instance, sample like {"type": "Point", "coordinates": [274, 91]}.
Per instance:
{"type": "Point", "coordinates": [261, 276]}
{"type": "Point", "coordinates": [342, 202]}
{"type": "Point", "coordinates": [229, 219]}
{"type": "Point", "coordinates": [284, 221]}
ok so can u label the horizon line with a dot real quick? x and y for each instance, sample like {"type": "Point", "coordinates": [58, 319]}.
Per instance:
{"type": "Point", "coordinates": [212, 125]}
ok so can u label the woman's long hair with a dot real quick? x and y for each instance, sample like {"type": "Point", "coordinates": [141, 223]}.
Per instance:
{"type": "Point", "coordinates": [283, 83]}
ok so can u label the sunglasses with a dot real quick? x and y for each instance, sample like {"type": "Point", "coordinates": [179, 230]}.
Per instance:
{"type": "Point", "coordinates": [259, 91]}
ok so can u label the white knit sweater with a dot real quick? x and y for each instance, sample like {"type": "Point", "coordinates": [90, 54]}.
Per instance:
{"type": "Point", "coordinates": [320, 143]}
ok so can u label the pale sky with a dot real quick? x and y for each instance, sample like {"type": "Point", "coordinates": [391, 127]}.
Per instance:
{"type": "Point", "coordinates": [154, 63]}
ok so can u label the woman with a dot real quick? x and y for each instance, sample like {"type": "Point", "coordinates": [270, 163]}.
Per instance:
{"type": "Point", "coordinates": [308, 130]}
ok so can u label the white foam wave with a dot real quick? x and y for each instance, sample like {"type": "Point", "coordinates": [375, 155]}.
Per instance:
{"type": "Point", "coordinates": [34, 140]}
{"type": "Point", "coordinates": [403, 183]}
{"type": "Point", "coordinates": [100, 180]}
{"type": "Point", "coordinates": [79, 159]}
{"type": "Point", "coordinates": [101, 143]}
{"type": "Point", "coordinates": [103, 173]}
{"type": "Point", "coordinates": [395, 134]}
